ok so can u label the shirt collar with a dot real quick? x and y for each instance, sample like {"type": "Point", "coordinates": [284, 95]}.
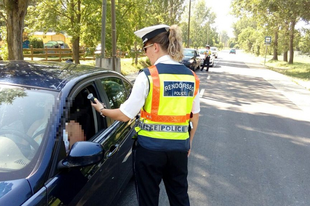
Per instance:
{"type": "Point", "coordinates": [166, 59]}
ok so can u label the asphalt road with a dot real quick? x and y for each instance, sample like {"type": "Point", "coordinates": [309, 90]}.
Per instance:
{"type": "Point", "coordinates": [252, 147]}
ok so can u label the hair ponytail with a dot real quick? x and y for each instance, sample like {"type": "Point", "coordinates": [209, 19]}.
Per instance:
{"type": "Point", "coordinates": [175, 48]}
{"type": "Point", "coordinates": [171, 42]}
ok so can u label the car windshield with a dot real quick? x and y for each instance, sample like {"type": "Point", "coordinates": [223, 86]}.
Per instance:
{"type": "Point", "coordinates": [213, 49]}
{"type": "Point", "coordinates": [24, 115]}
{"type": "Point", "coordinates": [188, 52]}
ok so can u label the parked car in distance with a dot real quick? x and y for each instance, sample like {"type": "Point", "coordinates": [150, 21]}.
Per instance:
{"type": "Point", "coordinates": [202, 57]}
{"type": "Point", "coordinates": [38, 100]}
{"type": "Point", "coordinates": [214, 51]}
{"type": "Point", "coordinates": [191, 59]}
{"type": "Point", "coordinates": [56, 44]}
{"type": "Point", "coordinates": [63, 45]}
{"type": "Point", "coordinates": [232, 51]}
{"type": "Point", "coordinates": [51, 44]}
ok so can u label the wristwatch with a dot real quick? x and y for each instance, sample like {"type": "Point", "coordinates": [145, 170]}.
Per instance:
{"type": "Point", "coordinates": [103, 107]}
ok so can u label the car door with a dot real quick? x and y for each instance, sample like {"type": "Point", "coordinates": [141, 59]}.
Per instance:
{"type": "Point", "coordinates": [95, 184]}
{"type": "Point", "coordinates": [117, 90]}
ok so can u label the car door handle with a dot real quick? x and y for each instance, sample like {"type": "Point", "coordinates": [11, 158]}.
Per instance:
{"type": "Point", "coordinates": [113, 150]}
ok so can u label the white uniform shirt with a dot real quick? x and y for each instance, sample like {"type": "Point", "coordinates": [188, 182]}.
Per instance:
{"type": "Point", "coordinates": [136, 100]}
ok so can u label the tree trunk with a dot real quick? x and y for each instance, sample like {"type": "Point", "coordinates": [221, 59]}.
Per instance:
{"type": "Point", "coordinates": [136, 53]}
{"type": "Point", "coordinates": [292, 31]}
{"type": "Point", "coordinates": [76, 20]}
{"type": "Point", "coordinates": [275, 46]}
{"type": "Point", "coordinates": [16, 12]}
{"type": "Point", "coordinates": [76, 49]}
{"type": "Point", "coordinates": [286, 39]}
{"type": "Point", "coordinates": [285, 56]}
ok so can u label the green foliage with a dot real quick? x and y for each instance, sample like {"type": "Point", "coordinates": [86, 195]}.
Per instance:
{"type": "Point", "coordinates": [272, 17]}
{"type": "Point", "coordinates": [4, 51]}
{"type": "Point", "coordinates": [36, 42]}
{"type": "Point", "coordinates": [300, 70]}
{"type": "Point", "coordinates": [81, 19]}
{"type": "Point", "coordinates": [233, 44]}
{"type": "Point", "coordinates": [304, 43]}
{"type": "Point", "coordinates": [4, 47]}
{"type": "Point", "coordinates": [201, 31]}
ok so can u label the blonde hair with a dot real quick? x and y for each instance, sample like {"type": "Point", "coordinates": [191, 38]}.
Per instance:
{"type": "Point", "coordinates": [171, 42]}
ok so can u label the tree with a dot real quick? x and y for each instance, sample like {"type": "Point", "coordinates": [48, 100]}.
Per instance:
{"type": "Point", "coordinates": [81, 19]}
{"type": "Point", "coordinates": [201, 32]}
{"type": "Point", "coordinates": [60, 16]}
{"type": "Point", "coordinates": [14, 12]}
{"type": "Point", "coordinates": [276, 14]}
{"type": "Point", "coordinates": [223, 39]}
{"type": "Point", "coordinates": [247, 33]}
{"type": "Point", "coordinates": [304, 44]}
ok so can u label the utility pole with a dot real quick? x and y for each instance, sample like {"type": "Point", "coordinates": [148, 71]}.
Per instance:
{"type": "Point", "coordinates": [113, 35]}
{"type": "Point", "coordinates": [103, 18]}
{"type": "Point", "coordinates": [189, 21]}
{"type": "Point", "coordinates": [208, 25]}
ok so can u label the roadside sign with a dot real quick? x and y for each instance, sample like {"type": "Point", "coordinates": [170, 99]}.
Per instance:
{"type": "Point", "coordinates": [267, 39]}
{"type": "Point", "coordinates": [267, 43]}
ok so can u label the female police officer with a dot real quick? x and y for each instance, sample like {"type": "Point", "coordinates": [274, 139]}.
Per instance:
{"type": "Point", "coordinates": [166, 93]}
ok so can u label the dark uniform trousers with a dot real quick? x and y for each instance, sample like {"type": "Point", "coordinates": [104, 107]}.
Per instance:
{"type": "Point", "coordinates": [152, 166]}
{"type": "Point", "coordinates": [206, 62]}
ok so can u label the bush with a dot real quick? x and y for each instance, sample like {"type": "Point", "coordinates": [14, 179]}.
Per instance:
{"type": "Point", "coordinates": [36, 42]}
{"type": "Point", "coordinates": [4, 52]}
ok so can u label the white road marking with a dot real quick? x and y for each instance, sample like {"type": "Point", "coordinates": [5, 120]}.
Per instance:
{"type": "Point", "coordinates": [201, 92]}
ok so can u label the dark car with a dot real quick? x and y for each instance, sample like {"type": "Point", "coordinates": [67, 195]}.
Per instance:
{"type": "Point", "coordinates": [191, 59]}
{"type": "Point", "coordinates": [232, 51]}
{"type": "Point", "coordinates": [38, 167]}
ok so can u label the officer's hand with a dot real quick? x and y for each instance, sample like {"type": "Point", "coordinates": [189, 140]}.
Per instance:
{"type": "Point", "coordinates": [97, 105]}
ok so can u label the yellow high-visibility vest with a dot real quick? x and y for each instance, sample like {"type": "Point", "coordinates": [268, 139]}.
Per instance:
{"type": "Point", "coordinates": [167, 108]}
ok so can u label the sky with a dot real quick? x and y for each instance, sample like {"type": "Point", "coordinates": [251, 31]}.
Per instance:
{"type": "Point", "coordinates": [223, 20]}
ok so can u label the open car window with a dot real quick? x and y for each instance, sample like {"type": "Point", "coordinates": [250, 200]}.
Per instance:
{"type": "Point", "coordinates": [82, 122]}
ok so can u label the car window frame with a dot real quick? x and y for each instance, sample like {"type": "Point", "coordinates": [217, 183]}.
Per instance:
{"type": "Point", "coordinates": [101, 136]}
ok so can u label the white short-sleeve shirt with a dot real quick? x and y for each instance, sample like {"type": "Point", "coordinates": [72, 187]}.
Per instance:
{"type": "Point", "coordinates": [136, 100]}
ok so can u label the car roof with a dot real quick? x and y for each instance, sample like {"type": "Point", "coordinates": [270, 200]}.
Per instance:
{"type": "Point", "coordinates": [46, 75]}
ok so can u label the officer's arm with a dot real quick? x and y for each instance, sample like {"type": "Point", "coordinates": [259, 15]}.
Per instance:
{"type": "Point", "coordinates": [194, 121]}
{"type": "Point", "coordinates": [115, 114]}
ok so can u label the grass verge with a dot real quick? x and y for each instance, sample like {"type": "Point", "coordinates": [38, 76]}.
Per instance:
{"type": "Point", "coordinates": [300, 70]}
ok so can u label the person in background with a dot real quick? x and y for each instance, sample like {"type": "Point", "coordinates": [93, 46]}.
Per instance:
{"type": "Point", "coordinates": [166, 95]}
{"type": "Point", "coordinates": [206, 61]}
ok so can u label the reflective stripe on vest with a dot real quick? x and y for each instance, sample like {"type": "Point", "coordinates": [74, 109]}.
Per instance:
{"type": "Point", "coordinates": [163, 127]}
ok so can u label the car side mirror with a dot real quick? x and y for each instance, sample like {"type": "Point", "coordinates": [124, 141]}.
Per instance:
{"type": "Point", "coordinates": [82, 154]}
